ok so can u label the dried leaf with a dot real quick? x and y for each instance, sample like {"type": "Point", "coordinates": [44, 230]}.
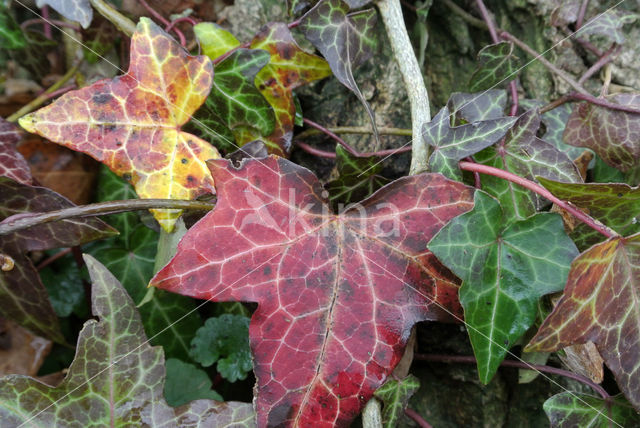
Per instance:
{"type": "Point", "coordinates": [337, 294]}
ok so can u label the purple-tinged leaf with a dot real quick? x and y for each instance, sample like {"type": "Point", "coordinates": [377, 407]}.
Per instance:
{"type": "Point", "coordinates": [496, 65]}
{"type": "Point", "coordinates": [468, 108]}
{"type": "Point", "coordinates": [12, 164]}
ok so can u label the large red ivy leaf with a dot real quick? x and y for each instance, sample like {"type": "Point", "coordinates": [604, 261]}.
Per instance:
{"type": "Point", "coordinates": [337, 294]}
{"type": "Point", "coordinates": [132, 122]}
{"type": "Point", "coordinates": [12, 164]}
{"type": "Point", "coordinates": [23, 297]}
{"type": "Point", "coordinates": [601, 304]}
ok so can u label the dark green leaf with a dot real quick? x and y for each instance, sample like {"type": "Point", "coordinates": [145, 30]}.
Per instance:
{"type": "Point", "coordinates": [359, 177]}
{"type": "Point", "coordinates": [225, 340]}
{"type": "Point", "coordinates": [497, 64]}
{"type": "Point", "coordinates": [527, 156]}
{"type": "Point", "coordinates": [116, 378]}
{"type": "Point", "coordinates": [345, 39]}
{"type": "Point", "coordinates": [609, 24]}
{"type": "Point", "coordinates": [395, 395]}
{"type": "Point", "coordinates": [612, 134]}
{"type": "Point", "coordinates": [504, 272]}
{"type": "Point", "coordinates": [454, 143]}
{"type": "Point", "coordinates": [570, 409]}
{"type": "Point", "coordinates": [11, 36]}
{"type": "Point", "coordinates": [185, 382]}
{"type": "Point", "coordinates": [467, 108]}
{"type": "Point", "coordinates": [64, 286]}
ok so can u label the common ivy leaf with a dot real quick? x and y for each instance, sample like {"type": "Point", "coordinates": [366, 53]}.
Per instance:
{"type": "Point", "coordinates": [527, 156]}
{"type": "Point", "coordinates": [504, 272]}
{"type": "Point", "coordinates": [612, 134]}
{"type": "Point", "coordinates": [23, 298]}
{"type": "Point", "coordinates": [225, 340]}
{"type": "Point", "coordinates": [496, 64]}
{"type": "Point", "coordinates": [600, 304]}
{"type": "Point", "coordinates": [288, 68]}
{"type": "Point", "coordinates": [468, 108]}
{"type": "Point", "coordinates": [395, 395]}
{"type": "Point", "coordinates": [345, 39]}
{"type": "Point", "coordinates": [615, 204]}
{"type": "Point", "coordinates": [11, 36]}
{"type": "Point", "coordinates": [454, 143]}
{"type": "Point", "coordinates": [337, 294]}
{"type": "Point", "coordinates": [185, 382]}
{"type": "Point", "coordinates": [64, 286]}
{"type": "Point", "coordinates": [12, 164]}
{"type": "Point", "coordinates": [74, 10]}
{"type": "Point", "coordinates": [359, 177]}
{"type": "Point", "coordinates": [609, 24]}
{"type": "Point", "coordinates": [116, 374]}
{"type": "Point", "coordinates": [132, 122]}
{"type": "Point", "coordinates": [571, 409]}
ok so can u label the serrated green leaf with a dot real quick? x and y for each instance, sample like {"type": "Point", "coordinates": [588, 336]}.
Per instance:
{"type": "Point", "coordinates": [345, 39]}
{"type": "Point", "coordinates": [527, 156]}
{"type": "Point", "coordinates": [571, 409]}
{"type": "Point", "coordinates": [609, 24]}
{"type": "Point", "coordinates": [504, 272]}
{"type": "Point", "coordinates": [496, 64]}
{"type": "Point", "coordinates": [185, 382]}
{"type": "Point", "coordinates": [468, 108]}
{"type": "Point", "coordinates": [395, 395]}
{"type": "Point", "coordinates": [359, 177]}
{"type": "Point", "coordinates": [454, 143]}
{"type": "Point", "coordinates": [615, 204]}
{"type": "Point", "coordinates": [116, 375]}
{"type": "Point", "coordinates": [225, 340]}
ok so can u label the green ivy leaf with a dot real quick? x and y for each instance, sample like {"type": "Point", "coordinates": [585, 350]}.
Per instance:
{"type": "Point", "coordinates": [395, 395]}
{"type": "Point", "coordinates": [454, 143]}
{"type": "Point", "coordinates": [359, 177]}
{"type": "Point", "coordinates": [468, 108]}
{"type": "Point", "coordinates": [225, 340]}
{"type": "Point", "coordinates": [116, 375]}
{"type": "Point", "coordinates": [11, 36]}
{"type": "Point", "coordinates": [214, 40]}
{"type": "Point", "coordinates": [496, 64]}
{"type": "Point", "coordinates": [505, 270]}
{"type": "Point", "coordinates": [185, 382]}
{"type": "Point", "coordinates": [609, 24]}
{"type": "Point", "coordinates": [63, 282]}
{"type": "Point", "coordinates": [524, 154]}
{"type": "Point", "coordinates": [345, 39]}
{"type": "Point", "coordinates": [572, 409]}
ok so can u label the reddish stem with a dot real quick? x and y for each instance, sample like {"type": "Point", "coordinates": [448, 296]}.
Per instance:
{"type": "Point", "coordinates": [331, 155]}
{"type": "Point", "coordinates": [316, 152]}
{"type": "Point", "coordinates": [48, 33]}
{"type": "Point", "coordinates": [514, 98]}
{"type": "Point", "coordinates": [332, 135]}
{"type": "Point", "coordinates": [505, 175]}
{"type": "Point", "coordinates": [173, 23]}
{"type": "Point", "coordinates": [30, 22]}
{"type": "Point", "coordinates": [164, 21]}
{"type": "Point", "coordinates": [603, 103]}
{"type": "Point", "coordinates": [58, 92]}
{"type": "Point", "coordinates": [440, 358]}
{"type": "Point", "coordinates": [294, 24]}
{"type": "Point", "coordinates": [417, 418]}
{"type": "Point", "coordinates": [46, 262]}
{"type": "Point", "coordinates": [602, 61]}
{"type": "Point", "coordinates": [581, 13]}
{"type": "Point", "coordinates": [589, 46]}
{"type": "Point", "coordinates": [476, 175]}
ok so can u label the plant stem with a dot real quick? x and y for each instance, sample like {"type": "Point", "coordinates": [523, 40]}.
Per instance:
{"type": "Point", "coordinates": [581, 13]}
{"type": "Point", "coordinates": [417, 418]}
{"type": "Point", "coordinates": [513, 89]}
{"type": "Point", "coordinates": [562, 74]}
{"type": "Point", "coordinates": [506, 175]}
{"type": "Point", "coordinates": [175, 22]}
{"type": "Point", "coordinates": [332, 155]}
{"type": "Point", "coordinates": [46, 262]}
{"type": "Point", "coordinates": [121, 22]}
{"type": "Point", "coordinates": [357, 130]}
{"type": "Point", "coordinates": [606, 58]}
{"type": "Point", "coordinates": [391, 13]}
{"type": "Point", "coordinates": [440, 358]}
{"type": "Point", "coordinates": [30, 22]}
{"type": "Point", "coordinates": [24, 221]}
{"type": "Point", "coordinates": [467, 17]}
{"type": "Point", "coordinates": [332, 135]}
{"type": "Point", "coordinates": [42, 98]}
{"type": "Point", "coordinates": [48, 33]}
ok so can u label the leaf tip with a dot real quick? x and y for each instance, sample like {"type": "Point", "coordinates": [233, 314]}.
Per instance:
{"type": "Point", "coordinates": [28, 123]}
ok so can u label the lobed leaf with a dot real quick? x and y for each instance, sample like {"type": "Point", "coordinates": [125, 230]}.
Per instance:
{"type": "Point", "coordinates": [115, 373]}
{"type": "Point", "coordinates": [337, 294]}
{"type": "Point", "coordinates": [504, 272]}
{"type": "Point", "coordinates": [496, 64]}
{"type": "Point", "coordinates": [454, 143]}
{"type": "Point", "coordinates": [395, 395]}
{"type": "Point", "coordinates": [345, 39]}
{"type": "Point", "coordinates": [12, 164]}
{"type": "Point", "coordinates": [24, 298]}
{"type": "Point", "coordinates": [570, 409]}
{"type": "Point", "coordinates": [612, 134]}
{"type": "Point", "coordinates": [132, 122]}
{"type": "Point", "coordinates": [601, 304]}
{"type": "Point", "coordinates": [527, 156]}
